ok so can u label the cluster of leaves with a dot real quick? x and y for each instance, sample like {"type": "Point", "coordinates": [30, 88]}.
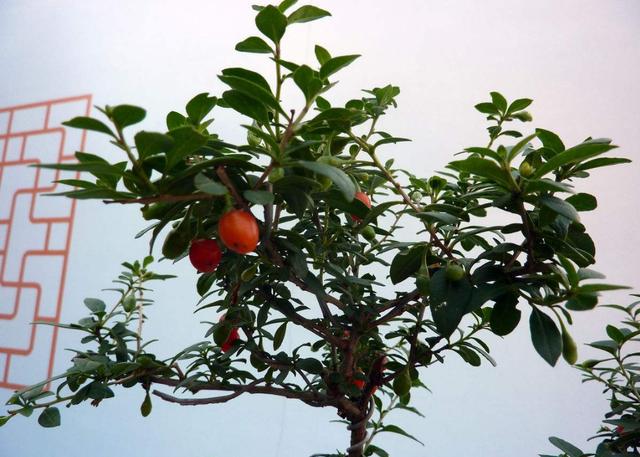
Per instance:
{"type": "Point", "coordinates": [619, 374]}
{"type": "Point", "coordinates": [324, 256]}
{"type": "Point", "coordinates": [115, 356]}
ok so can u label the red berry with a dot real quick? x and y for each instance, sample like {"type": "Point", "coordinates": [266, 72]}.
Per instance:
{"type": "Point", "coordinates": [205, 255]}
{"type": "Point", "coordinates": [233, 337]}
{"type": "Point", "coordinates": [239, 231]}
{"type": "Point", "coordinates": [619, 429]}
{"type": "Point", "coordinates": [364, 198]}
{"type": "Point", "coordinates": [359, 382]}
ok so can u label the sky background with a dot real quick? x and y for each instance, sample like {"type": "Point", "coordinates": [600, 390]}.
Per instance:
{"type": "Point", "coordinates": [578, 59]}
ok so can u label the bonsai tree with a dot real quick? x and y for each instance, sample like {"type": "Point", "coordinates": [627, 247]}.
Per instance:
{"type": "Point", "coordinates": [302, 226]}
{"type": "Point", "coordinates": [618, 372]}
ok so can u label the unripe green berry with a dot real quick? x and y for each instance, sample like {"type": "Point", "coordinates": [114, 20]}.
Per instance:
{"type": "Point", "coordinates": [423, 284]}
{"type": "Point", "coordinates": [569, 348]}
{"type": "Point", "coordinates": [368, 233]}
{"type": "Point", "coordinates": [525, 169]}
{"type": "Point", "coordinates": [454, 272]}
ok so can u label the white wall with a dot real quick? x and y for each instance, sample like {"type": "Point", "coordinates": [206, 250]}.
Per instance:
{"type": "Point", "coordinates": [579, 60]}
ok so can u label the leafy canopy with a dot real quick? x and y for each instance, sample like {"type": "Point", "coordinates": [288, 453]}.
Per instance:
{"type": "Point", "coordinates": [378, 307]}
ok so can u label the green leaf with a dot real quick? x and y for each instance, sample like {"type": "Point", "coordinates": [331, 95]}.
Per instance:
{"type": "Point", "coordinates": [449, 301]}
{"type": "Point", "coordinates": [545, 336]}
{"type": "Point", "coordinates": [50, 417]}
{"type": "Point", "coordinates": [615, 334]}
{"type": "Point", "coordinates": [307, 13]}
{"type": "Point", "coordinates": [601, 162]}
{"type": "Point", "coordinates": [254, 44]}
{"type": "Point", "coordinates": [399, 431]}
{"type": "Point", "coordinates": [373, 449]}
{"type": "Point", "coordinates": [499, 101]}
{"type": "Point", "coordinates": [607, 345]}
{"type": "Point", "coordinates": [199, 106]}
{"type": "Point", "coordinates": [484, 168]}
{"type": "Point", "coordinates": [339, 177]}
{"type": "Point", "coordinates": [187, 140]}
{"type": "Point", "coordinates": [209, 186]}
{"type": "Point", "coordinates": [152, 143]}
{"type": "Point", "coordinates": [505, 316]}
{"type": "Point", "coordinates": [576, 154]}
{"type": "Point", "coordinates": [175, 120]}
{"type": "Point", "coordinates": [515, 150]}
{"type": "Point", "coordinates": [565, 447]}
{"type": "Point", "coordinates": [486, 108]}
{"type": "Point", "coordinates": [546, 185]}
{"type": "Point", "coordinates": [89, 123]}
{"type": "Point", "coordinates": [246, 105]}
{"type": "Point", "coordinates": [310, 365]}
{"type": "Point", "coordinates": [307, 82]}
{"type": "Point", "coordinates": [4, 420]}
{"type": "Point", "coordinates": [518, 105]}
{"type": "Point", "coordinates": [335, 64]}
{"type": "Point", "coordinates": [550, 140]}
{"type": "Point", "coordinates": [278, 337]}
{"type": "Point", "coordinates": [374, 212]}
{"type": "Point", "coordinates": [437, 216]}
{"type": "Point", "coordinates": [259, 197]}
{"type": "Point", "coordinates": [592, 288]}
{"type": "Point", "coordinates": [286, 4]}
{"type": "Point", "coordinates": [322, 54]}
{"type": "Point", "coordinates": [406, 263]}
{"type": "Point", "coordinates": [560, 206]}
{"type": "Point", "coordinates": [95, 305]}
{"type": "Point", "coordinates": [95, 168]}
{"type": "Point", "coordinates": [126, 115]}
{"type": "Point", "coordinates": [469, 356]}
{"type": "Point", "coordinates": [272, 23]}
{"type": "Point", "coordinates": [583, 202]}
{"type": "Point", "coordinates": [250, 84]}
{"type": "Point", "coordinates": [390, 140]}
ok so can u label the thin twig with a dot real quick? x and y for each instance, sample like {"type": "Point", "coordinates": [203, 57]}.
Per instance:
{"type": "Point", "coordinates": [224, 177]}
{"type": "Point", "coordinates": [163, 198]}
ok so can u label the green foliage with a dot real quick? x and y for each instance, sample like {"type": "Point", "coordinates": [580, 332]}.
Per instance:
{"type": "Point", "coordinates": [114, 354]}
{"type": "Point", "coordinates": [618, 371]}
{"type": "Point", "coordinates": [324, 257]}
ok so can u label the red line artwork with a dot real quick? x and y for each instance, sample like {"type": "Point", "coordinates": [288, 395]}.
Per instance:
{"type": "Point", "coordinates": [35, 233]}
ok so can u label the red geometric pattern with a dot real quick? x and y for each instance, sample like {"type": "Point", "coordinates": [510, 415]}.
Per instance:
{"type": "Point", "coordinates": [35, 233]}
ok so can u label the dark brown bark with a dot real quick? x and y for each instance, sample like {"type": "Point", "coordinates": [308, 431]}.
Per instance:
{"type": "Point", "coordinates": [358, 438]}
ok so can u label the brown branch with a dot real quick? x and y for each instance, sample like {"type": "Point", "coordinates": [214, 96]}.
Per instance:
{"type": "Point", "coordinates": [268, 217]}
{"type": "Point", "coordinates": [304, 322]}
{"type": "Point", "coordinates": [224, 177]}
{"type": "Point", "coordinates": [308, 397]}
{"type": "Point", "coordinates": [528, 235]}
{"type": "Point", "coordinates": [277, 259]}
{"type": "Point", "coordinates": [434, 236]}
{"type": "Point", "coordinates": [397, 306]}
{"type": "Point", "coordinates": [413, 342]}
{"type": "Point", "coordinates": [264, 175]}
{"type": "Point", "coordinates": [197, 401]}
{"type": "Point", "coordinates": [163, 198]}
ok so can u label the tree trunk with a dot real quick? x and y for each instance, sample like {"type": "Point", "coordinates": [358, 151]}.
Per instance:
{"type": "Point", "coordinates": [358, 437]}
